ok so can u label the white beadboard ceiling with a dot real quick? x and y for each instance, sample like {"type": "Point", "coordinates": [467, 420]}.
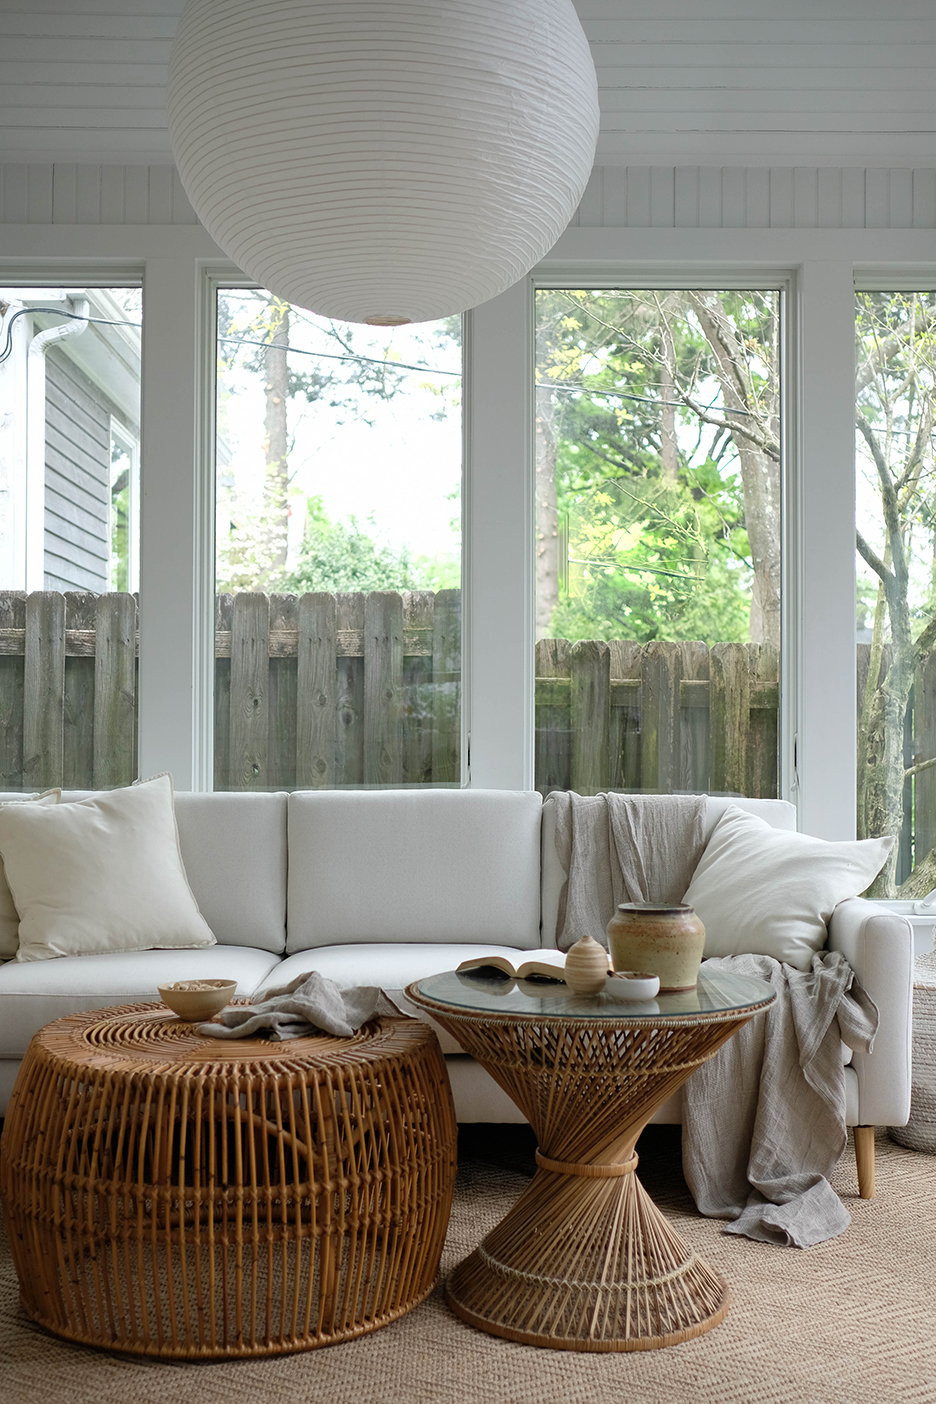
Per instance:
{"type": "Point", "coordinates": [683, 82]}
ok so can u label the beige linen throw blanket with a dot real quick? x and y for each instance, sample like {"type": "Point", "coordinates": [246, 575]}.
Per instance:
{"type": "Point", "coordinates": [764, 1120]}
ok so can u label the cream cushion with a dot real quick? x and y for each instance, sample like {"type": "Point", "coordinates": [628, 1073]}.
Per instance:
{"type": "Point", "coordinates": [38, 991]}
{"type": "Point", "coordinates": [9, 916]}
{"type": "Point", "coordinates": [764, 891]}
{"type": "Point", "coordinates": [102, 874]}
{"type": "Point", "coordinates": [427, 866]}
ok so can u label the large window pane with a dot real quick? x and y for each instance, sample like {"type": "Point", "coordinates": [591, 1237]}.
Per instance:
{"type": "Point", "coordinates": [896, 570]}
{"type": "Point", "coordinates": [69, 535]}
{"type": "Point", "coordinates": [657, 540]}
{"type": "Point", "coordinates": [338, 550]}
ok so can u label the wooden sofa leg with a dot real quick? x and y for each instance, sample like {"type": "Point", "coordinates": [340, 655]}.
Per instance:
{"type": "Point", "coordinates": [864, 1158]}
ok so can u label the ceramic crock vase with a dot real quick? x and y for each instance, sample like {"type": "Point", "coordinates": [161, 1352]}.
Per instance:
{"type": "Point", "coordinates": [665, 939]}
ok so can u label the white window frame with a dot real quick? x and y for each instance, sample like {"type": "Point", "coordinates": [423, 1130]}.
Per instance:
{"type": "Point", "coordinates": [177, 520]}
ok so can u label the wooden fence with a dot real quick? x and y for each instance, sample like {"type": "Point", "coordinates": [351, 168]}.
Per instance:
{"type": "Point", "coordinates": [323, 690]}
{"type": "Point", "coordinates": [658, 717]}
{"type": "Point", "coordinates": [310, 691]}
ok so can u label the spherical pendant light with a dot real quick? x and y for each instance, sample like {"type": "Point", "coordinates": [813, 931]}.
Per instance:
{"type": "Point", "coordinates": [383, 161]}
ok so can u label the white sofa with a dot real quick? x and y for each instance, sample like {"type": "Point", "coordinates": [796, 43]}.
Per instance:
{"type": "Point", "coordinates": [384, 887]}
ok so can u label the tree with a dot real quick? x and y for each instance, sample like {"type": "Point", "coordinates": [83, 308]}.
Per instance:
{"type": "Point", "coordinates": [670, 538]}
{"type": "Point", "coordinates": [895, 394]}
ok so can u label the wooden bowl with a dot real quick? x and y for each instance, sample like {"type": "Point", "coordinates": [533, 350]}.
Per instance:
{"type": "Point", "coordinates": [196, 1001]}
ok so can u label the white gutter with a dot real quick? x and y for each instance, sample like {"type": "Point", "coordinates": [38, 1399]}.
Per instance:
{"type": "Point", "coordinates": [36, 440]}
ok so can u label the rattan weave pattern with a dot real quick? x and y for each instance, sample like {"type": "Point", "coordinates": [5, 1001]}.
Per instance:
{"type": "Point", "coordinates": [174, 1195]}
{"type": "Point", "coordinates": [585, 1260]}
{"type": "Point", "coordinates": [919, 1134]}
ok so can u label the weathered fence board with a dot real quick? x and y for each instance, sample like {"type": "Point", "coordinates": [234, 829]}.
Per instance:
{"type": "Point", "coordinates": [383, 687]}
{"type": "Point", "coordinates": [250, 658]}
{"type": "Point", "coordinates": [44, 690]}
{"type": "Point", "coordinates": [445, 697]}
{"type": "Point", "coordinates": [80, 667]}
{"type": "Point", "coordinates": [114, 686]}
{"type": "Point", "coordinates": [316, 692]}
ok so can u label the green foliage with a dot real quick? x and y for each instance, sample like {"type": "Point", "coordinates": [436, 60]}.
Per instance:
{"type": "Point", "coordinates": [340, 556]}
{"type": "Point", "coordinates": [649, 500]}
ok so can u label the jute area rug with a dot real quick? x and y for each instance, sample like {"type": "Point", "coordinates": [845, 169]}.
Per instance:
{"type": "Point", "coordinates": [846, 1322]}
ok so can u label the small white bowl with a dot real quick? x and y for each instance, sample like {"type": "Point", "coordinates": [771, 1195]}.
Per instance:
{"type": "Point", "coordinates": [197, 1001]}
{"type": "Point", "coordinates": [633, 984]}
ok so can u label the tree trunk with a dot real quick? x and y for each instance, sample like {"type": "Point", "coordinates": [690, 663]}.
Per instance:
{"type": "Point", "coordinates": [547, 518]}
{"type": "Point", "coordinates": [275, 445]}
{"type": "Point", "coordinates": [669, 450]}
{"type": "Point", "coordinates": [760, 470]}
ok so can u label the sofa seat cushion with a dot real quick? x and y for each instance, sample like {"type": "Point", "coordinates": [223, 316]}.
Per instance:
{"type": "Point", "coordinates": [391, 966]}
{"type": "Point", "coordinates": [37, 992]}
{"type": "Point", "coordinates": [414, 865]}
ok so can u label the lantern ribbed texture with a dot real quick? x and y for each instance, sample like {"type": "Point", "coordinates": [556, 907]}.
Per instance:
{"type": "Point", "coordinates": [378, 159]}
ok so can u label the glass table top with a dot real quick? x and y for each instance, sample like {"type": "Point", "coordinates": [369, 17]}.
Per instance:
{"type": "Point", "coordinates": [485, 994]}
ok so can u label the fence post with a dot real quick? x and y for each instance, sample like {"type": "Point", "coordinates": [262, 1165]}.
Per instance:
{"type": "Point", "coordinates": [730, 712]}
{"type": "Point", "coordinates": [924, 731]}
{"type": "Point", "coordinates": [349, 684]}
{"type": "Point", "coordinates": [78, 728]}
{"type": "Point", "coordinates": [659, 717]}
{"type": "Point", "coordinates": [553, 728]}
{"type": "Point", "coordinates": [383, 688]}
{"type": "Point", "coordinates": [114, 690]}
{"type": "Point", "coordinates": [316, 692]}
{"type": "Point", "coordinates": [590, 706]}
{"type": "Point", "coordinates": [44, 690]}
{"type": "Point", "coordinates": [446, 687]}
{"type": "Point", "coordinates": [250, 662]}
{"type": "Point", "coordinates": [12, 616]}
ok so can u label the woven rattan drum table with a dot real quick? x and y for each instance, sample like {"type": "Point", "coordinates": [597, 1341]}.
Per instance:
{"type": "Point", "coordinates": [174, 1195]}
{"type": "Point", "coordinates": [585, 1260]}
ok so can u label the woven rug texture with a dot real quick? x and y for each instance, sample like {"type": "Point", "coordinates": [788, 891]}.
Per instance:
{"type": "Point", "coordinates": [848, 1321]}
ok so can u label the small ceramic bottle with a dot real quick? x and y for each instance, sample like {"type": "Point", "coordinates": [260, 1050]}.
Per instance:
{"type": "Point", "coordinates": [586, 967]}
{"type": "Point", "coordinates": [666, 939]}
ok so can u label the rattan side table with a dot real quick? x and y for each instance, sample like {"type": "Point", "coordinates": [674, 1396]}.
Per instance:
{"type": "Point", "coordinates": [585, 1260]}
{"type": "Point", "coordinates": [174, 1195]}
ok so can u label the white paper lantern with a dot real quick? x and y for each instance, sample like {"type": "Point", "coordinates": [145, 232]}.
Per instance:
{"type": "Point", "coordinates": [383, 161]}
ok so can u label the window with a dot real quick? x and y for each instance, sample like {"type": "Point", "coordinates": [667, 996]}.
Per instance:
{"type": "Point", "coordinates": [896, 573]}
{"type": "Point", "coordinates": [658, 475]}
{"type": "Point", "coordinates": [338, 550]}
{"type": "Point", "coordinates": [69, 534]}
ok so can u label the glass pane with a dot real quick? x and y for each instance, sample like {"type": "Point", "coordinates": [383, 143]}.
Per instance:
{"type": "Point", "coordinates": [896, 577]}
{"type": "Point", "coordinates": [338, 563]}
{"type": "Point", "coordinates": [69, 535]}
{"type": "Point", "coordinates": [657, 540]}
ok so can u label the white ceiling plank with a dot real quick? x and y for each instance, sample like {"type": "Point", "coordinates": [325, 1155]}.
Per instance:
{"type": "Point", "coordinates": [720, 83]}
{"type": "Point", "coordinates": [900, 203]}
{"type": "Point", "coordinates": [924, 199]}
{"type": "Point", "coordinates": [877, 199]}
{"type": "Point", "coordinates": [853, 197]}
{"type": "Point", "coordinates": [829, 197]}
{"type": "Point", "coordinates": [757, 198]}
{"type": "Point", "coordinates": [686, 197]}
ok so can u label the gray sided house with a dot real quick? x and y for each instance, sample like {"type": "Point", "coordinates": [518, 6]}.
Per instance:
{"type": "Point", "coordinates": [69, 441]}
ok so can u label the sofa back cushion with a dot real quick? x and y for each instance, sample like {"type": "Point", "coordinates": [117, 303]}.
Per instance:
{"type": "Point", "coordinates": [234, 850]}
{"type": "Point", "coordinates": [779, 814]}
{"type": "Point", "coordinates": [413, 865]}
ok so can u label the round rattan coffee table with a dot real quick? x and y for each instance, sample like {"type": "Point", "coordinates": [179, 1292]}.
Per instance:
{"type": "Point", "coordinates": [585, 1260]}
{"type": "Point", "coordinates": [174, 1195]}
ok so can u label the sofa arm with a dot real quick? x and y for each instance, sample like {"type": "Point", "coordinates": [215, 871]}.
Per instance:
{"type": "Point", "coordinates": [879, 948]}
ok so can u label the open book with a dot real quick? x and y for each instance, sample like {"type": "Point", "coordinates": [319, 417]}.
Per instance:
{"type": "Point", "coordinates": [546, 967]}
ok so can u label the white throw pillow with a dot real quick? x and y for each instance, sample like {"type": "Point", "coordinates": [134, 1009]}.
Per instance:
{"type": "Point", "coordinates": [9, 916]}
{"type": "Point", "coordinates": [764, 891]}
{"type": "Point", "coordinates": [99, 875]}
